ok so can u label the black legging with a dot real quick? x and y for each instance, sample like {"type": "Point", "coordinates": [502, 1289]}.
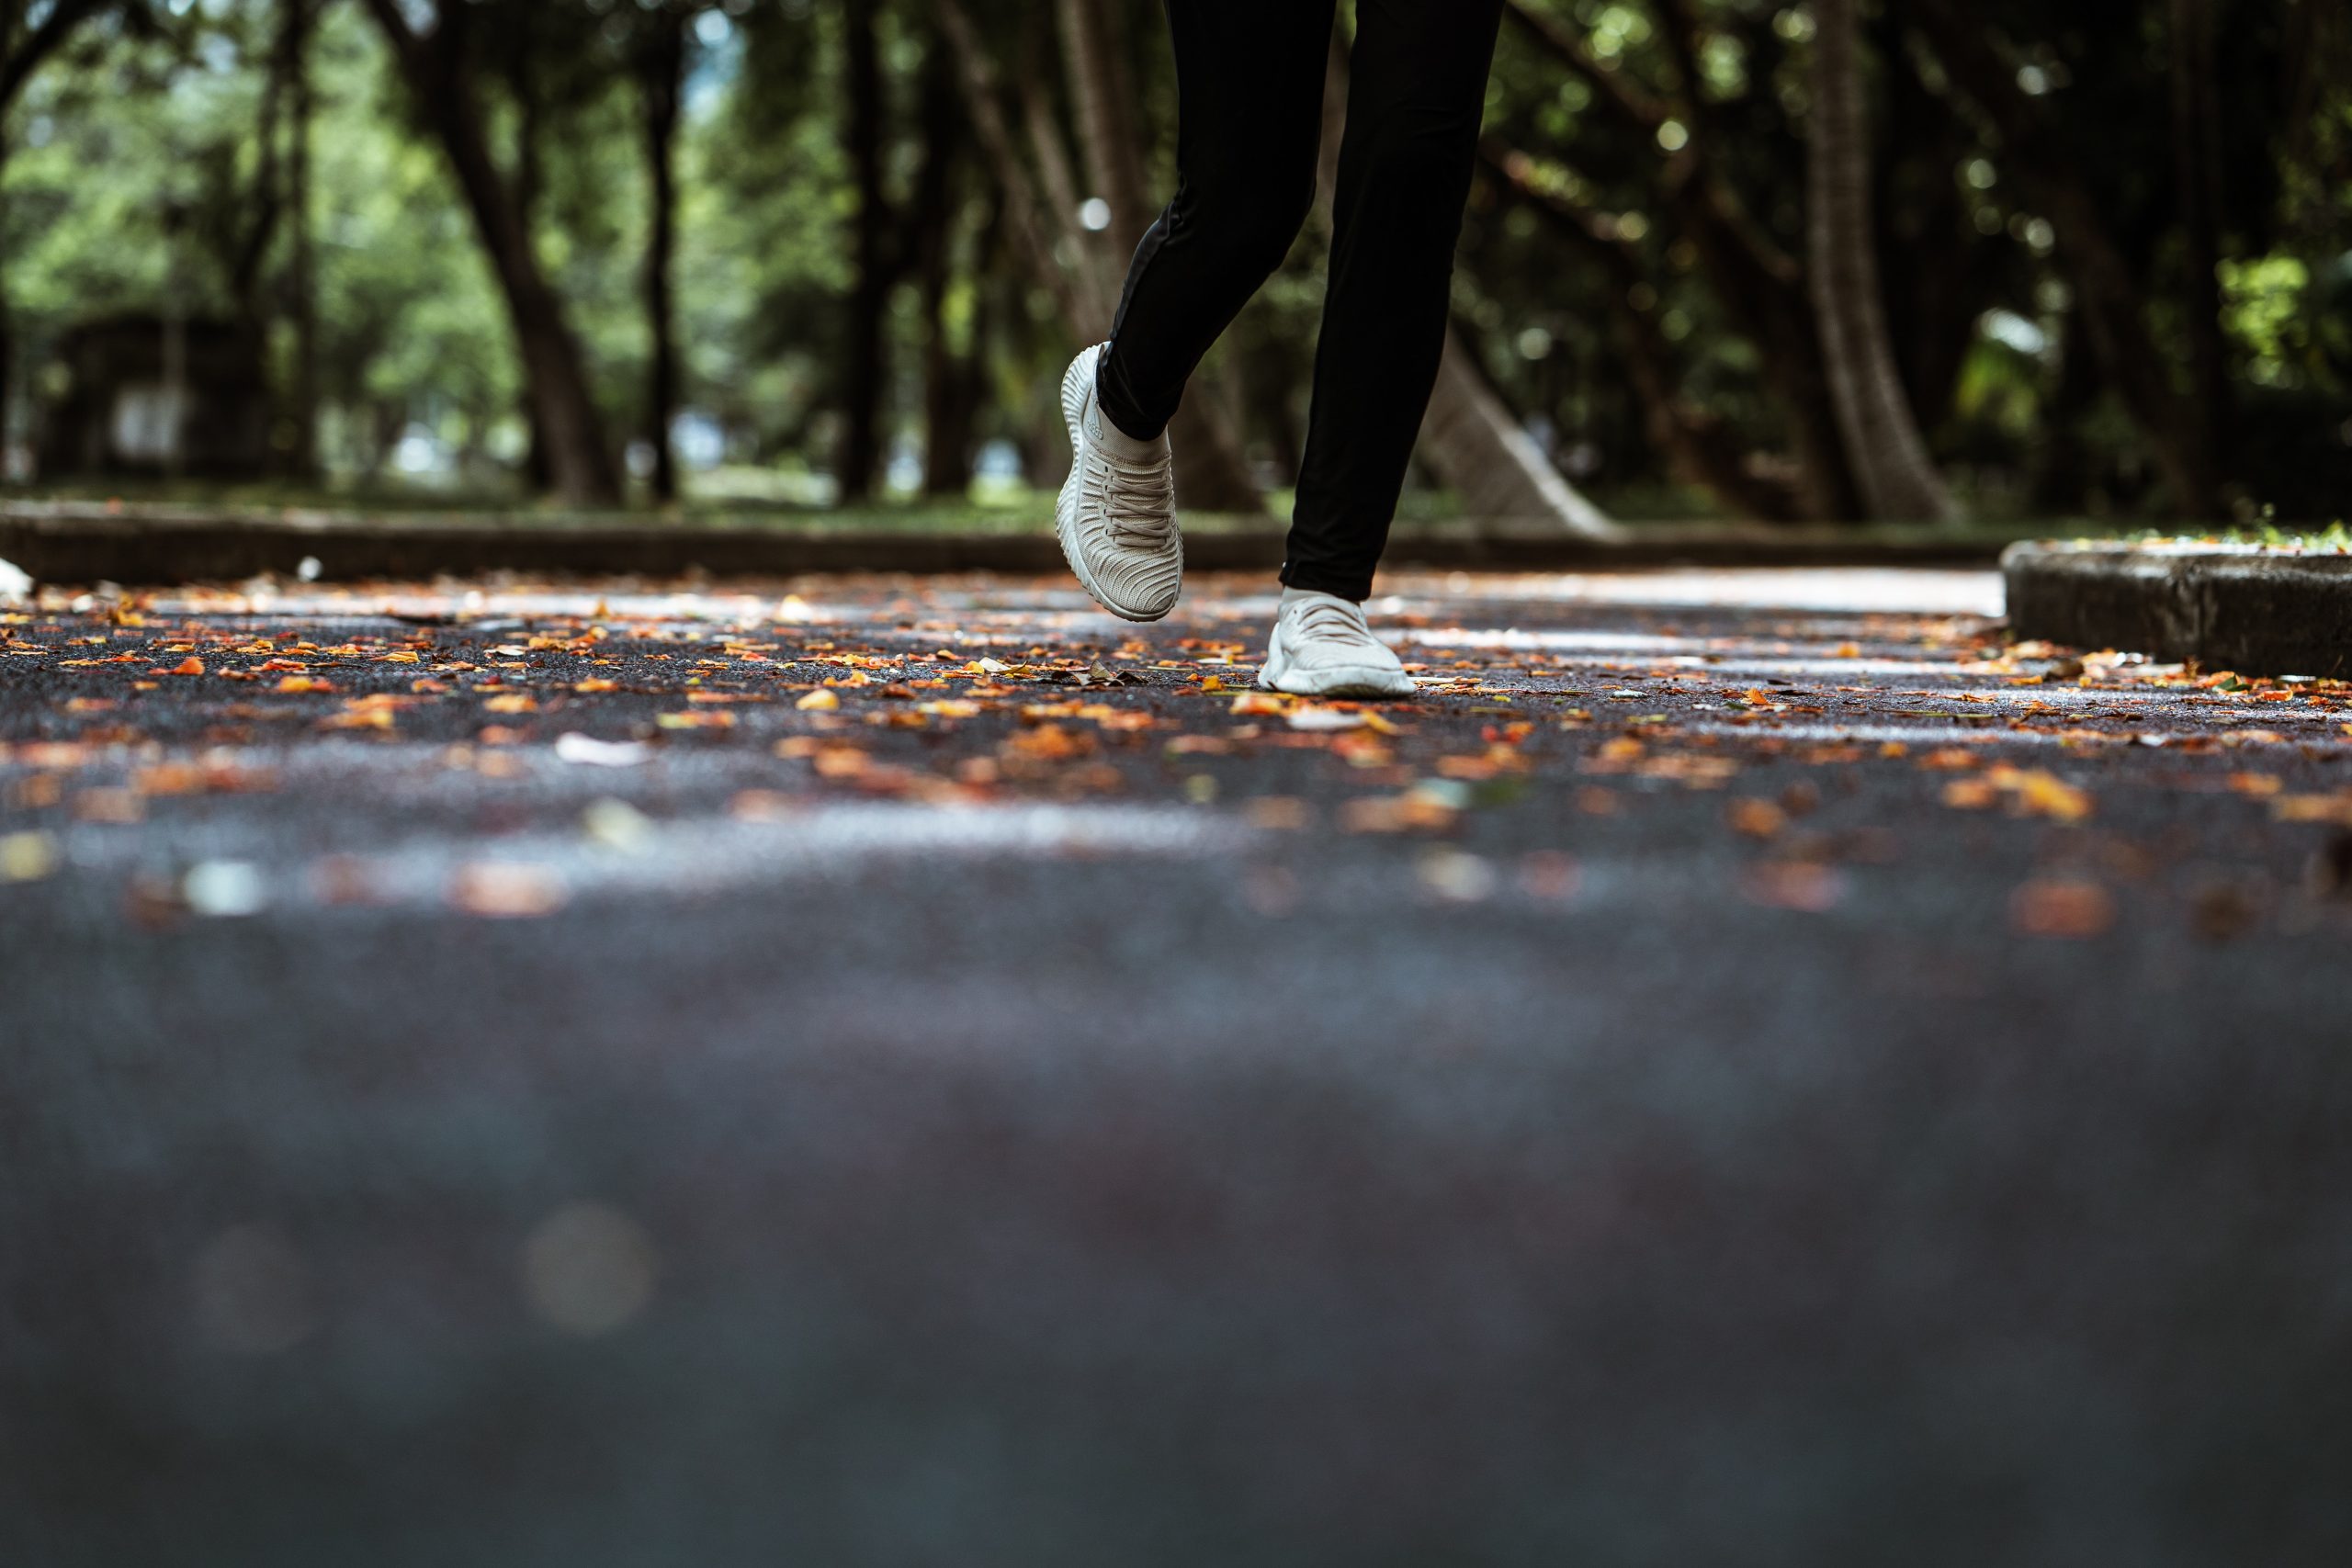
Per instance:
{"type": "Point", "coordinates": [1249, 91]}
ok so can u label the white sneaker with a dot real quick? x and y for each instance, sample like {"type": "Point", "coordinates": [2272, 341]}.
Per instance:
{"type": "Point", "coordinates": [1116, 518]}
{"type": "Point", "coordinates": [1321, 648]}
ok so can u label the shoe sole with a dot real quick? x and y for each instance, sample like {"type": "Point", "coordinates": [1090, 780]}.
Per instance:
{"type": "Point", "coordinates": [1074, 385]}
{"type": "Point", "coordinates": [1345, 681]}
{"type": "Point", "coordinates": [1364, 684]}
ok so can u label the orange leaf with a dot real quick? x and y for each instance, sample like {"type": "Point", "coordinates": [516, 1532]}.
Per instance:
{"type": "Point", "coordinates": [506, 892]}
{"type": "Point", "coordinates": [2071, 911]}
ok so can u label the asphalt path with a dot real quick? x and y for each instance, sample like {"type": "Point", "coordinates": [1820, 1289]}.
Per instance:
{"type": "Point", "coordinates": [1750, 1069]}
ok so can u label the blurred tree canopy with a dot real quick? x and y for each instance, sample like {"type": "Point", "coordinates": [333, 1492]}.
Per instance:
{"type": "Point", "coordinates": [1829, 260]}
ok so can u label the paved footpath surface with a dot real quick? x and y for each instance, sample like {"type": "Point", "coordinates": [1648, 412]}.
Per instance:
{"type": "Point", "coordinates": [1751, 1069]}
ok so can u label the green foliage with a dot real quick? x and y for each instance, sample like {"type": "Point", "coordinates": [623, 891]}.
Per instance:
{"type": "Point", "coordinates": [136, 171]}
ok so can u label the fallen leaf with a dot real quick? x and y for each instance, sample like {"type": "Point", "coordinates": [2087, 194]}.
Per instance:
{"type": "Point", "coordinates": [761, 806]}
{"type": "Point", "coordinates": [506, 891]}
{"type": "Point", "coordinates": [1549, 875]}
{"type": "Point", "coordinates": [840, 762]}
{"type": "Point", "coordinates": [2333, 809]}
{"type": "Point", "coordinates": [1802, 887]}
{"type": "Point", "coordinates": [1048, 743]}
{"type": "Point", "coordinates": [2066, 908]}
{"type": "Point", "coordinates": [121, 806]}
{"type": "Point", "coordinates": [2045, 794]}
{"type": "Point", "coordinates": [1431, 807]}
{"type": "Point", "coordinates": [1970, 794]}
{"type": "Point", "coordinates": [1277, 813]}
{"type": "Point", "coordinates": [169, 778]}
{"type": "Point", "coordinates": [1615, 755]}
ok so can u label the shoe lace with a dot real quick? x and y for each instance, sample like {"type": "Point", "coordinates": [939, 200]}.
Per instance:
{"type": "Point", "coordinates": [1139, 500]}
{"type": "Point", "coordinates": [1336, 621]}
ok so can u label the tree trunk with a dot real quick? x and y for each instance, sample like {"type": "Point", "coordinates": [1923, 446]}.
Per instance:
{"type": "Point", "coordinates": [663, 67]}
{"type": "Point", "coordinates": [12, 14]}
{"type": "Point", "coordinates": [1211, 473]}
{"type": "Point", "coordinates": [1037, 232]}
{"type": "Point", "coordinates": [950, 401]}
{"type": "Point", "coordinates": [1884, 445]}
{"type": "Point", "coordinates": [2109, 295]}
{"type": "Point", "coordinates": [1762, 286]}
{"type": "Point", "coordinates": [2060, 477]}
{"type": "Point", "coordinates": [1088, 253]}
{"type": "Point", "coordinates": [554, 369]}
{"type": "Point", "coordinates": [1469, 440]}
{"type": "Point", "coordinates": [1700, 447]}
{"type": "Point", "coordinates": [864, 348]}
{"type": "Point", "coordinates": [301, 299]}
{"type": "Point", "coordinates": [7, 337]}
{"type": "Point", "coordinates": [2196, 123]}
{"type": "Point", "coordinates": [1474, 446]}
{"type": "Point", "coordinates": [1939, 273]}
{"type": "Point", "coordinates": [522, 80]}
{"type": "Point", "coordinates": [1101, 88]}
{"type": "Point", "coordinates": [950, 380]}
{"type": "Point", "coordinates": [248, 273]}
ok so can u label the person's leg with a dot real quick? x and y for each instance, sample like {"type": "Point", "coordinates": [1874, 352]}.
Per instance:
{"type": "Point", "coordinates": [1417, 93]}
{"type": "Point", "coordinates": [1249, 116]}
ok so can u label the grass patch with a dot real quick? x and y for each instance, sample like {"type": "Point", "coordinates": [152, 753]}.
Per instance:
{"type": "Point", "coordinates": [998, 512]}
{"type": "Point", "coordinates": [2334, 539]}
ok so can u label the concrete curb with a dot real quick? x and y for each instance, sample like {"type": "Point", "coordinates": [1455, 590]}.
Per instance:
{"type": "Point", "coordinates": [82, 544]}
{"type": "Point", "coordinates": [2254, 610]}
